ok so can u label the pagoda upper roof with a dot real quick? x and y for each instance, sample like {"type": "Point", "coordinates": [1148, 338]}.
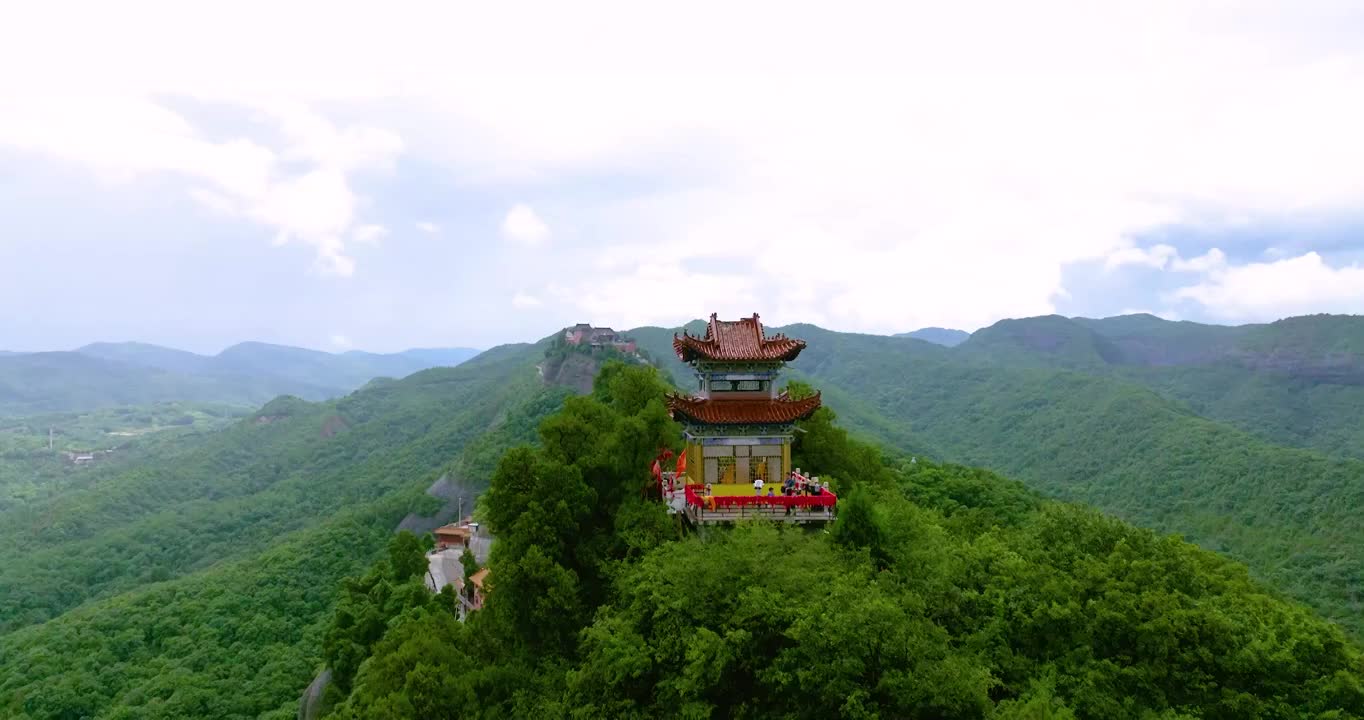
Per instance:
{"type": "Point", "coordinates": [738, 341]}
{"type": "Point", "coordinates": [764, 411]}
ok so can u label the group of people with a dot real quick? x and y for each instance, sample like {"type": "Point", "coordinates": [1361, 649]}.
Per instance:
{"type": "Point", "coordinates": [794, 485]}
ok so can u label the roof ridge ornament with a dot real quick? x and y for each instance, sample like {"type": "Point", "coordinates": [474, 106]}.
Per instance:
{"type": "Point", "coordinates": [744, 340]}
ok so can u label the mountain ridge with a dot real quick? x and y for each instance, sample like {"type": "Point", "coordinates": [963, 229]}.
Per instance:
{"type": "Point", "coordinates": [101, 375]}
{"type": "Point", "coordinates": [946, 337]}
{"type": "Point", "coordinates": [1327, 347]}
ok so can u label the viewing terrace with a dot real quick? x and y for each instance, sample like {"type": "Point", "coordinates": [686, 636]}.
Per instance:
{"type": "Point", "coordinates": [728, 503]}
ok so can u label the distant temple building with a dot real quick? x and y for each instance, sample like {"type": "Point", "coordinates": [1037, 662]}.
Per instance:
{"type": "Point", "coordinates": [455, 535]}
{"type": "Point", "coordinates": [584, 334]}
{"type": "Point", "coordinates": [737, 428]}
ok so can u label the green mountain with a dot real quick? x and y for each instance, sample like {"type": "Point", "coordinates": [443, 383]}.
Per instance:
{"type": "Point", "coordinates": [1101, 439]}
{"type": "Point", "coordinates": [1323, 348]}
{"type": "Point", "coordinates": [150, 356]}
{"type": "Point", "coordinates": [45, 382]}
{"type": "Point", "coordinates": [1049, 341]}
{"type": "Point", "coordinates": [938, 336]}
{"type": "Point", "coordinates": [193, 578]}
{"type": "Point", "coordinates": [105, 375]}
{"type": "Point", "coordinates": [1297, 382]}
{"type": "Point", "coordinates": [350, 369]}
{"type": "Point", "coordinates": [309, 367]}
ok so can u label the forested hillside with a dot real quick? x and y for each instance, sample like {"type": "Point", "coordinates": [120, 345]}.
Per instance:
{"type": "Point", "coordinates": [941, 591]}
{"type": "Point", "coordinates": [105, 375]}
{"type": "Point", "coordinates": [120, 436]}
{"type": "Point", "coordinates": [1100, 439]}
{"type": "Point", "coordinates": [1297, 382]}
{"type": "Point", "coordinates": [195, 582]}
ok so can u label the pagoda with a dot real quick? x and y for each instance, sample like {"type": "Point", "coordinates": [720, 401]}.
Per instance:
{"type": "Point", "coordinates": [737, 428]}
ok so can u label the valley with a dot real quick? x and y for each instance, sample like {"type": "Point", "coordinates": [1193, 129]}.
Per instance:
{"type": "Point", "coordinates": [106, 375]}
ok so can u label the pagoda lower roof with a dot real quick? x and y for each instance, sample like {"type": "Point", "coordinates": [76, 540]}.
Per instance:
{"type": "Point", "coordinates": [740, 340]}
{"type": "Point", "coordinates": [766, 411]}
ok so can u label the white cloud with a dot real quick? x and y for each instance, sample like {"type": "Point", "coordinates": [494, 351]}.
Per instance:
{"type": "Point", "coordinates": [523, 226]}
{"type": "Point", "coordinates": [524, 300]}
{"type": "Point", "coordinates": [1156, 256]}
{"type": "Point", "coordinates": [341, 342]}
{"type": "Point", "coordinates": [428, 227]}
{"type": "Point", "coordinates": [1208, 261]}
{"type": "Point", "coordinates": [918, 167]}
{"type": "Point", "coordinates": [645, 296]}
{"type": "Point", "coordinates": [1269, 290]}
{"type": "Point", "coordinates": [1165, 257]}
{"type": "Point", "coordinates": [369, 234]}
{"type": "Point", "coordinates": [300, 189]}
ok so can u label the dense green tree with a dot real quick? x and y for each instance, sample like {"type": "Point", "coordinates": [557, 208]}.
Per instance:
{"type": "Point", "coordinates": [468, 563]}
{"type": "Point", "coordinates": [627, 389]}
{"type": "Point", "coordinates": [368, 603]}
{"type": "Point", "coordinates": [858, 527]}
{"type": "Point", "coordinates": [407, 556]}
{"type": "Point", "coordinates": [417, 671]}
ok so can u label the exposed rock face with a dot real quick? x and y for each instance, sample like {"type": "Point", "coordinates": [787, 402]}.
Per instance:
{"type": "Point", "coordinates": [444, 568]}
{"type": "Point", "coordinates": [334, 425]}
{"type": "Point", "coordinates": [573, 370]}
{"type": "Point", "coordinates": [1335, 368]}
{"type": "Point", "coordinates": [310, 705]}
{"type": "Point", "coordinates": [448, 490]}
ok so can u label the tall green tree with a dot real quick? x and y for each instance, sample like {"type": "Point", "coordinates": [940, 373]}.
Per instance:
{"type": "Point", "coordinates": [858, 527]}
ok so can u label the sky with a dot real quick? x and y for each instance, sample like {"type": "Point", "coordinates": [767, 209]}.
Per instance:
{"type": "Point", "coordinates": [389, 175]}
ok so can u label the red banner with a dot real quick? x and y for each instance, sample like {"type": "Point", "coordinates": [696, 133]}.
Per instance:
{"type": "Point", "coordinates": [694, 497]}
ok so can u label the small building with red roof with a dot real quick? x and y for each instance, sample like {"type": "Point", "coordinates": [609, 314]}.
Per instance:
{"type": "Point", "coordinates": [452, 535]}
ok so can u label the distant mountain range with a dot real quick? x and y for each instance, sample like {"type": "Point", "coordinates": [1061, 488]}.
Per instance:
{"type": "Point", "coordinates": [938, 336]}
{"type": "Point", "coordinates": [252, 373]}
{"type": "Point", "coordinates": [1297, 381]}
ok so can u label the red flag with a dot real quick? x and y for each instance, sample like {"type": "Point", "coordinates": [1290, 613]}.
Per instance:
{"type": "Point", "coordinates": [681, 464]}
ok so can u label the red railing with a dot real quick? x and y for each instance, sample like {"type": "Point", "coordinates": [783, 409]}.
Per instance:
{"type": "Point", "coordinates": [695, 498]}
